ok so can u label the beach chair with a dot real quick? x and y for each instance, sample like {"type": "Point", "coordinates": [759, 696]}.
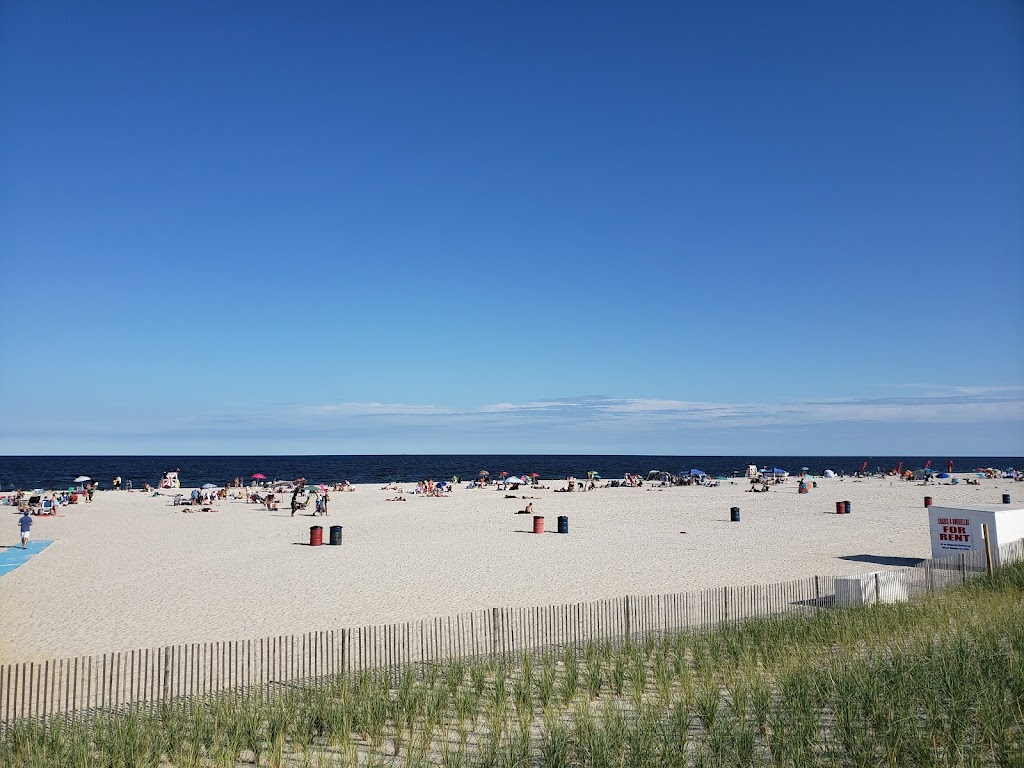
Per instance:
{"type": "Point", "coordinates": [46, 508]}
{"type": "Point", "coordinates": [179, 500]}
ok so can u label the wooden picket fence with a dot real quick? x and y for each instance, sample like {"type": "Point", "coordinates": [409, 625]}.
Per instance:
{"type": "Point", "coordinates": [82, 686]}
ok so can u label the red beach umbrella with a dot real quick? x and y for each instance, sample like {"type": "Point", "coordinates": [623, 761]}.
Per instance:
{"type": "Point", "coordinates": [534, 474]}
{"type": "Point", "coordinates": [259, 476]}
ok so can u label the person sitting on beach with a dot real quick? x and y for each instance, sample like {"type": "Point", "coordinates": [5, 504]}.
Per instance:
{"type": "Point", "coordinates": [397, 498]}
{"type": "Point", "coordinates": [527, 511]}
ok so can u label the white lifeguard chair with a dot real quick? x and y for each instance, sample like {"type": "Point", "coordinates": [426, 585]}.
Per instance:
{"type": "Point", "coordinates": [170, 480]}
{"type": "Point", "coordinates": [752, 471]}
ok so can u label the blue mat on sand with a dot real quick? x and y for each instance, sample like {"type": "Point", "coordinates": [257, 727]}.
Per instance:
{"type": "Point", "coordinates": [12, 557]}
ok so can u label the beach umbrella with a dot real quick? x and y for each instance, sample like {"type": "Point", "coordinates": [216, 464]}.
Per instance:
{"type": "Point", "coordinates": [696, 472]}
{"type": "Point", "coordinates": [82, 479]}
{"type": "Point", "coordinates": [208, 486]}
{"type": "Point", "coordinates": [534, 474]}
{"type": "Point", "coordinates": [484, 473]}
{"type": "Point", "coordinates": [502, 473]}
{"type": "Point", "coordinates": [943, 475]}
{"type": "Point", "coordinates": [259, 476]}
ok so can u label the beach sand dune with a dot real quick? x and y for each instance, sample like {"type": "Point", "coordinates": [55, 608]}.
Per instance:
{"type": "Point", "coordinates": [132, 571]}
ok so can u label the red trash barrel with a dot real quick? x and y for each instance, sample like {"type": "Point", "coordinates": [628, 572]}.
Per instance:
{"type": "Point", "coordinates": [840, 507]}
{"type": "Point", "coordinates": [538, 524]}
{"type": "Point", "coordinates": [316, 536]}
{"type": "Point", "coordinates": [927, 501]}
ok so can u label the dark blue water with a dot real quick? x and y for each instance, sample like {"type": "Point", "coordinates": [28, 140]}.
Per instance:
{"type": "Point", "coordinates": [60, 471]}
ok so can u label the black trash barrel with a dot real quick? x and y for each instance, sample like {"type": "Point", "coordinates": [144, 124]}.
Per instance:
{"type": "Point", "coordinates": [563, 524]}
{"type": "Point", "coordinates": [1006, 498]}
{"type": "Point", "coordinates": [846, 505]}
{"type": "Point", "coordinates": [734, 514]}
{"type": "Point", "coordinates": [335, 534]}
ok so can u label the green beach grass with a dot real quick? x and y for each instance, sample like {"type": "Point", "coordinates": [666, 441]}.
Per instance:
{"type": "Point", "coordinates": [936, 682]}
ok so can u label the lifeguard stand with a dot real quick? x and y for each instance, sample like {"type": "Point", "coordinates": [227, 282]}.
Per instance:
{"type": "Point", "coordinates": [170, 480]}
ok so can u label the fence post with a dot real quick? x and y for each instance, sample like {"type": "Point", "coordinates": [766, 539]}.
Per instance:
{"type": "Point", "coordinates": [988, 548]}
{"type": "Point", "coordinates": [626, 612]}
{"type": "Point", "coordinates": [167, 674]}
{"type": "Point", "coordinates": [817, 594]}
{"type": "Point", "coordinates": [878, 590]}
{"type": "Point", "coordinates": [963, 569]}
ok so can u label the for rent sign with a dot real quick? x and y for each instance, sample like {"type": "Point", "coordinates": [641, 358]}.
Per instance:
{"type": "Point", "coordinates": [954, 533]}
{"type": "Point", "coordinates": [958, 529]}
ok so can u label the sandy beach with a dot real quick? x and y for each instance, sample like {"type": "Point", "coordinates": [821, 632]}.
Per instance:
{"type": "Point", "coordinates": [130, 570]}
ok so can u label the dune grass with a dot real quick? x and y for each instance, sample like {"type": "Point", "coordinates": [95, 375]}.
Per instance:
{"type": "Point", "coordinates": [937, 682]}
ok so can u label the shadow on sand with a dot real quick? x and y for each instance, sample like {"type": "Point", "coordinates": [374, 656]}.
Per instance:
{"type": "Point", "coordinates": [896, 562]}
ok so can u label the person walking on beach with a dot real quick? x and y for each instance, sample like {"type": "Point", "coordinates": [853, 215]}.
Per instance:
{"type": "Point", "coordinates": [25, 521]}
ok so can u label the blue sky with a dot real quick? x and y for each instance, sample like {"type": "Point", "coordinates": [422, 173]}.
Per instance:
{"type": "Point", "coordinates": [684, 228]}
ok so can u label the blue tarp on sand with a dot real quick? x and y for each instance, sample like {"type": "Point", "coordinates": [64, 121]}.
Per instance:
{"type": "Point", "coordinates": [12, 557]}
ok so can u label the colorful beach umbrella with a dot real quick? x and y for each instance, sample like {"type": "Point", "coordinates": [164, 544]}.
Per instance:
{"type": "Point", "coordinates": [259, 476]}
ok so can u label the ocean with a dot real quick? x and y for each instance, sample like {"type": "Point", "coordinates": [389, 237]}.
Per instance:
{"type": "Point", "coordinates": [50, 472]}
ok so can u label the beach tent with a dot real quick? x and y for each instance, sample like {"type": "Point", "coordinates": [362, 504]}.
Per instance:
{"type": "Point", "coordinates": [829, 473]}
{"type": "Point", "coordinates": [943, 475]}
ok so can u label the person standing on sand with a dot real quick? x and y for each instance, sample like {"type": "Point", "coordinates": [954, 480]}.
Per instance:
{"type": "Point", "coordinates": [295, 500]}
{"type": "Point", "coordinates": [25, 522]}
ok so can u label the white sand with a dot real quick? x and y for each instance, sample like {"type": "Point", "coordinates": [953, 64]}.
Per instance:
{"type": "Point", "coordinates": [132, 571]}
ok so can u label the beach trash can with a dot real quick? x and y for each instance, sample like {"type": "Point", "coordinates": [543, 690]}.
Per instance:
{"type": "Point", "coordinates": [563, 524]}
{"type": "Point", "coordinates": [734, 514]}
{"type": "Point", "coordinates": [840, 507]}
{"type": "Point", "coordinates": [335, 534]}
{"type": "Point", "coordinates": [927, 501]}
{"type": "Point", "coordinates": [1006, 498]}
{"type": "Point", "coordinates": [538, 524]}
{"type": "Point", "coordinates": [316, 536]}
{"type": "Point", "coordinates": [846, 507]}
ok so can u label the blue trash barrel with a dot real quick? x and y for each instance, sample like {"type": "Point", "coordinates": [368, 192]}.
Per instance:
{"type": "Point", "coordinates": [846, 506]}
{"type": "Point", "coordinates": [734, 514]}
{"type": "Point", "coordinates": [563, 524]}
{"type": "Point", "coordinates": [1006, 498]}
{"type": "Point", "coordinates": [335, 534]}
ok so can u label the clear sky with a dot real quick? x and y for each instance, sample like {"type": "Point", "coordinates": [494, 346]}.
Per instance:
{"type": "Point", "coordinates": [339, 227]}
